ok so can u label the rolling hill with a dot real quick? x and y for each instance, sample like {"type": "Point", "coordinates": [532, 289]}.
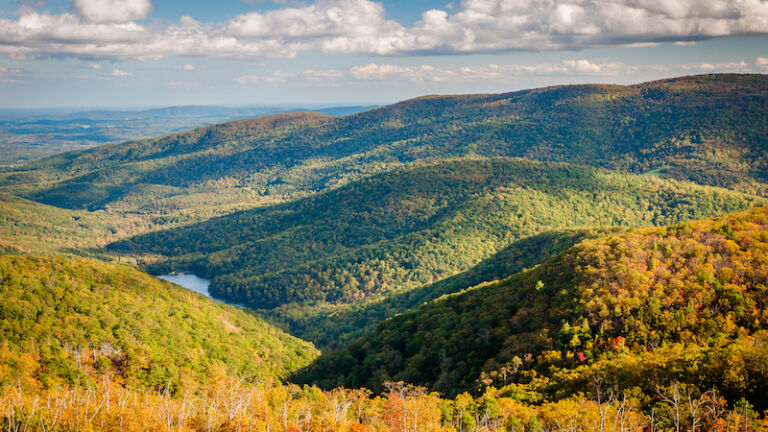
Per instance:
{"type": "Point", "coordinates": [61, 318]}
{"type": "Point", "coordinates": [533, 249]}
{"type": "Point", "coordinates": [31, 134]}
{"type": "Point", "coordinates": [397, 231]}
{"type": "Point", "coordinates": [331, 326]}
{"type": "Point", "coordinates": [686, 302]}
{"type": "Point", "coordinates": [708, 129]}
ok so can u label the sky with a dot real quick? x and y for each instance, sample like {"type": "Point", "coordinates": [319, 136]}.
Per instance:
{"type": "Point", "coordinates": [142, 53]}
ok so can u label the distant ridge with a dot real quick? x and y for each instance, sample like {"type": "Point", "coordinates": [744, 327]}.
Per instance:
{"type": "Point", "coordinates": [707, 129]}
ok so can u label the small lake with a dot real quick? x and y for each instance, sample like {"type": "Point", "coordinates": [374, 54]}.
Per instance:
{"type": "Point", "coordinates": [190, 282]}
{"type": "Point", "coordinates": [196, 284]}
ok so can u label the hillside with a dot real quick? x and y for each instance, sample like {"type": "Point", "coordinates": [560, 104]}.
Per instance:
{"type": "Point", "coordinates": [686, 302]}
{"type": "Point", "coordinates": [40, 228]}
{"type": "Point", "coordinates": [331, 326]}
{"type": "Point", "coordinates": [43, 229]}
{"type": "Point", "coordinates": [400, 230]}
{"type": "Point", "coordinates": [65, 319]}
{"type": "Point", "coordinates": [708, 129]}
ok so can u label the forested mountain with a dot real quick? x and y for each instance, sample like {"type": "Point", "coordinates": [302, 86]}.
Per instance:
{"type": "Point", "coordinates": [686, 302]}
{"type": "Point", "coordinates": [333, 325]}
{"type": "Point", "coordinates": [62, 317]}
{"type": "Point", "coordinates": [533, 249]}
{"type": "Point", "coordinates": [627, 331]}
{"type": "Point", "coordinates": [709, 129]}
{"type": "Point", "coordinates": [399, 230]}
{"type": "Point", "coordinates": [31, 134]}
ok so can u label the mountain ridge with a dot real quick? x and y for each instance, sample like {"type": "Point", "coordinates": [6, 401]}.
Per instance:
{"type": "Point", "coordinates": [531, 255]}
{"type": "Point", "coordinates": [689, 298]}
{"type": "Point", "coordinates": [699, 128]}
{"type": "Point", "coordinates": [395, 231]}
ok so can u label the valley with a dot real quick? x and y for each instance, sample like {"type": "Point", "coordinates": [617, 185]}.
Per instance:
{"type": "Point", "coordinates": [492, 262]}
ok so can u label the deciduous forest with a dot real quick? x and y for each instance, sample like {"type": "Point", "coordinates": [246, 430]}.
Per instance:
{"type": "Point", "coordinates": [569, 258]}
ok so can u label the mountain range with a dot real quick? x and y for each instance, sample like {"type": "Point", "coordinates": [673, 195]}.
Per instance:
{"type": "Point", "coordinates": [514, 251]}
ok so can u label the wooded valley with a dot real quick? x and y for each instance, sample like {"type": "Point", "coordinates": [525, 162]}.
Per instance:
{"type": "Point", "coordinates": [569, 258]}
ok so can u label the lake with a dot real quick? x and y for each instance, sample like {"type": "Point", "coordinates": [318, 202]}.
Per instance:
{"type": "Point", "coordinates": [196, 284]}
{"type": "Point", "coordinates": [189, 281]}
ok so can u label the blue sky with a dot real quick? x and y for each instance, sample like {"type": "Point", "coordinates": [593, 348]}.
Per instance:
{"type": "Point", "coordinates": [112, 53]}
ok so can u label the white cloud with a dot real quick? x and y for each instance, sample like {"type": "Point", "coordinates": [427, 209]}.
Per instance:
{"type": "Point", "coordinates": [112, 11]}
{"type": "Point", "coordinates": [119, 73]}
{"type": "Point", "coordinates": [342, 26]}
{"type": "Point", "coordinates": [530, 25]}
{"type": "Point", "coordinates": [95, 66]}
{"type": "Point", "coordinates": [584, 66]}
{"type": "Point", "coordinates": [107, 29]}
{"type": "Point", "coordinates": [67, 34]}
{"type": "Point", "coordinates": [188, 67]}
{"type": "Point", "coordinates": [587, 67]}
{"type": "Point", "coordinates": [762, 63]}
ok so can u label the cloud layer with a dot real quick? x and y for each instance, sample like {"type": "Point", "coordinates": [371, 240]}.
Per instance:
{"type": "Point", "coordinates": [429, 74]}
{"type": "Point", "coordinates": [109, 28]}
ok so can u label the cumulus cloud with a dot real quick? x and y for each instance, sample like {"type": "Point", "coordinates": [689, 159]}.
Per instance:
{"type": "Point", "coordinates": [342, 26]}
{"type": "Point", "coordinates": [583, 66]}
{"type": "Point", "coordinates": [119, 73]}
{"type": "Point", "coordinates": [762, 63]}
{"type": "Point", "coordinates": [112, 11]}
{"type": "Point", "coordinates": [188, 67]}
{"type": "Point", "coordinates": [108, 28]}
{"type": "Point", "coordinates": [533, 25]}
{"type": "Point", "coordinates": [67, 34]}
